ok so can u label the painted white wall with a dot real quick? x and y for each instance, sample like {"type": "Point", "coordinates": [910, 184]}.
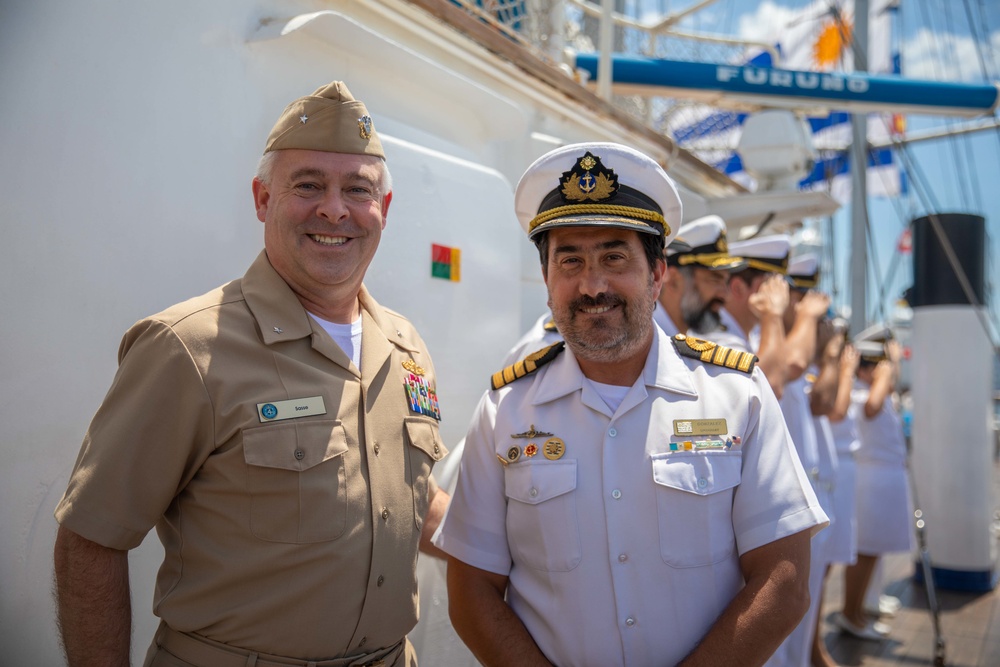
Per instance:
{"type": "Point", "coordinates": [130, 133]}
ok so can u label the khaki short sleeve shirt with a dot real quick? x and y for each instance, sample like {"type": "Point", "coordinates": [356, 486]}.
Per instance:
{"type": "Point", "coordinates": [293, 534]}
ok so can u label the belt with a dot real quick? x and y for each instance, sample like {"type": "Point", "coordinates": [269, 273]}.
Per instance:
{"type": "Point", "coordinates": [202, 651]}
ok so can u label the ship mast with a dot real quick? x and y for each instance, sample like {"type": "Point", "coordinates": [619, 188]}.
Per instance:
{"type": "Point", "coordinates": [859, 182]}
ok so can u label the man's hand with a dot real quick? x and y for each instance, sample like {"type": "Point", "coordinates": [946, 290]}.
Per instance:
{"type": "Point", "coordinates": [485, 622]}
{"type": "Point", "coordinates": [813, 304]}
{"type": "Point", "coordinates": [771, 298]}
{"type": "Point", "coordinates": [894, 351]}
{"type": "Point", "coordinates": [849, 360]}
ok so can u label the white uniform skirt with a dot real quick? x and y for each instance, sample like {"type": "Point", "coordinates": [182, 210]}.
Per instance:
{"type": "Point", "coordinates": [842, 544]}
{"type": "Point", "coordinates": [884, 509]}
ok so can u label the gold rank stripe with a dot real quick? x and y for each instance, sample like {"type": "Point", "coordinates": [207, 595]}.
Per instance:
{"type": "Point", "coordinates": [711, 353]}
{"type": "Point", "coordinates": [526, 366]}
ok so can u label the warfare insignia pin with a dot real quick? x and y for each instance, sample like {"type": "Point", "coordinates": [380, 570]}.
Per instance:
{"type": "Point", "coordinates": [553, 449]}
{"type": "Point", "coordinates": [411, 366]}
{"type": "Point", "coordinates": [589, 180]}
{"type": "Point", "coordinates": [365, 125]}
{"type": "Point", "coordinates": [531, 433]}
{"type": "Point", "coordinates": [514, 453]}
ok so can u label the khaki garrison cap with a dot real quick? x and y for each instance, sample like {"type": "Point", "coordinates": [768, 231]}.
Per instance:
{"type": "Point", "coordinates": [709, 248]}
{"type": "Point", "coordinates": [329, 120]}
{"type": "Point", "coordinates": [597, 184]}
{"type": "Point", "coordinates": [764, 253]}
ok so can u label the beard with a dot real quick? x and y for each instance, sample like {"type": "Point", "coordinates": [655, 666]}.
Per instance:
{"type": "Point", "coordinates": [613, 336]}
{"type": "Point", "coordinates": [700, 317]}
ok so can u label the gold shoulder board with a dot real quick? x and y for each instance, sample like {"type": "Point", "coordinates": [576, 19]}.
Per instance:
{"type": "Point", "coordinates": [529, 364]}
{"type": "Point", "coordinates": [712, 353]}
{"type": "Point", "coordinates": [550, 326]}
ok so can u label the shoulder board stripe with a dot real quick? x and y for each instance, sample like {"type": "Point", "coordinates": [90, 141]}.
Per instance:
{"type": "Point", "coordinates": [712, 353]}
{"type": "Point", "coordinates": [550, 326]}
{"type": "Point", "coordinates": [526, 366]}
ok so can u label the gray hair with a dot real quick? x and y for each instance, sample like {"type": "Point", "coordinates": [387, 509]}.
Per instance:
{"type": "Point", "coordinates": [265, 169]}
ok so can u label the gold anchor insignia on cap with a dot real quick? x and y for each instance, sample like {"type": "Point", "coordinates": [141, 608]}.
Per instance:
{"type": "Point", "coordinates": [514, 453]}
{"type": "Point", "coordinates": [554, 448]}
{"type": "Point", "coordinates": [411, 366]}
{"type": "Point", "coordinates": [588, 186]}
{"type": "Point", "coordinates": [365, 125]}
{"type": "Point", "coordinates": [531, 433]}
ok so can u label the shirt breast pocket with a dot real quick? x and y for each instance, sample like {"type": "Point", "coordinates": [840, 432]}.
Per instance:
{"type": "Point", "coordinates": [542, 527]}
{"type": "Point", "coordinates": [297, 481]}
{"type": "Point", "coordinates": [694, 505]}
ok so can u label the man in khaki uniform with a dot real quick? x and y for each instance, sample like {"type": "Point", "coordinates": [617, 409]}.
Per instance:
{"type": "Point", "coordinates": [279, 432]}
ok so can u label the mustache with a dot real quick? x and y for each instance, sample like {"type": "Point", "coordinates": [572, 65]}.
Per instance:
{"type": "Point", "coordinates": [599, 301]}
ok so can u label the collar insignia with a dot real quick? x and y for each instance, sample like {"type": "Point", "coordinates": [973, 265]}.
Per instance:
{"type": "Point", "coordinates": [589, 180]}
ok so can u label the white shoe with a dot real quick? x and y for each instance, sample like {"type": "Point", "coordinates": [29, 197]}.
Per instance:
{"type": "Point", "coordinates": [873, 630]}
{"type": "Point", "coordinates": [887, 606]}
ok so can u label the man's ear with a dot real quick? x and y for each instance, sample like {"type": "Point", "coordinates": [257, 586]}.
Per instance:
{"type": "Point", "coordinates": [261, 197]}
{"type": "Point", "coordinates": [385, 207]}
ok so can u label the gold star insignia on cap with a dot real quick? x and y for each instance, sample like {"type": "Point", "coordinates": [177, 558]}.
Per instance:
{"type": "Point", "coordinates": [303, 118]}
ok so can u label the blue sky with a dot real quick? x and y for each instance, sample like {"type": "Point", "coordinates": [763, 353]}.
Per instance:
{"type": "Point", "coordinates": [961, 175]}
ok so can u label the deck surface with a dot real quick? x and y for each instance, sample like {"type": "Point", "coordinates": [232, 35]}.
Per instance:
{"type": "Point", "coordinates": [970, 622]}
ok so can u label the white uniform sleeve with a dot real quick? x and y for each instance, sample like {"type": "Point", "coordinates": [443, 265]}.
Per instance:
{"type": "Point", "coordinates": [774, 498]}
{"type": "Point", "coordinates": [475, 527]}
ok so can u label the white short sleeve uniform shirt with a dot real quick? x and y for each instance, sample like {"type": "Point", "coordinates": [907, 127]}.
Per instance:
{"type": "Point", "coordinates": [620, 550]}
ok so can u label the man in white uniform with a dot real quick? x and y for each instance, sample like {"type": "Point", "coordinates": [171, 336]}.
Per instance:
{"type": "Point", "coordinates": [756, 303]}
{"type": "Point", "coordinates": [696, 284]}
{"type": "Point", "coordinates": [624, 498]}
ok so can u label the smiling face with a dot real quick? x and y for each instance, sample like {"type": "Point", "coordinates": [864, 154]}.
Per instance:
{"type": "Point", "coordinates": [602, 292]}
{"type": "Point", "coordinates": [323, 216]}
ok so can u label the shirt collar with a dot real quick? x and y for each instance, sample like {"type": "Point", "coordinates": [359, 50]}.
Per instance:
{"type": "Point", "coordinates": [664, 369]}
{"type": "Point", "coordinates": [281, 317]}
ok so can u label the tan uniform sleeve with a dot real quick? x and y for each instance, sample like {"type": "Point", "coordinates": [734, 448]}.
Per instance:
{"type": "Point", "coordinates": [149, 437]}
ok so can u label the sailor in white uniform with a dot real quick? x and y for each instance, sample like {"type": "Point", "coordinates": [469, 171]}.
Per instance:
{"type": "Point", "coordinates": [696, 283]}
{"type": "Point", "coordinates": [756, 303]}
{"type": "Point", "coordinates": [882, 477]}
{"type": "Point", "coordinates": [624, 498]}
{"type": "Point", "coordinates": [800, 406]}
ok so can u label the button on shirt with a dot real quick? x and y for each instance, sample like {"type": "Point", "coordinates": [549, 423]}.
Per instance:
{"type": "Point", "coordinates": [635, 575]}
{"type": "Point", "coordinates": [273, 532]}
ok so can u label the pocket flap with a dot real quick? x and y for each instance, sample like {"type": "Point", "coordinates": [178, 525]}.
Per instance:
{"type": "Point", "coordinates": [698, 473]}
{"type": "Point", "coordinates": [533, 483]}
{"type": "Point", "coordinates": [424, 435]}
{"type": "Point", "coordinates": [294, 445]}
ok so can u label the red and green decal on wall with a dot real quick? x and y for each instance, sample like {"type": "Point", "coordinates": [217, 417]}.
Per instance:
{"type": "Point", "coordinates": [446, 262]}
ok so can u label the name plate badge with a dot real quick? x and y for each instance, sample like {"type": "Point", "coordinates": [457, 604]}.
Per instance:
{"type": "Point", "coordinates": [295, 407]}
{"type": "Point", "coordinates": [700, 427]}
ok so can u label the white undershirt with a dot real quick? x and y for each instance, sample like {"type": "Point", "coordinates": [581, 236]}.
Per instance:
{"type": "Point", "coordinates": [612, 394]}
{"type": "Point", "coordinates": [347, 336]}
